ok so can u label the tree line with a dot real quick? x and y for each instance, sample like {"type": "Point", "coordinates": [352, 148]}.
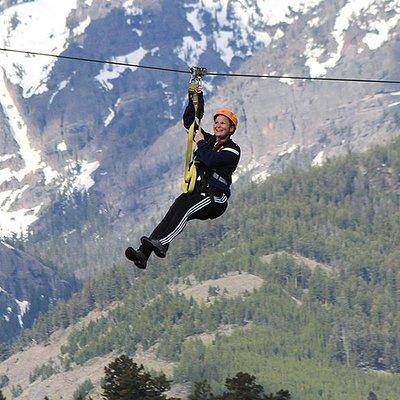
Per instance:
{"type": "Point", "coordinates": [126, 380]}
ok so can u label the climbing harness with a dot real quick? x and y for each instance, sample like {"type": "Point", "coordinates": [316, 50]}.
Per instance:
{"type": "Point", "coordinates": [190, 173]}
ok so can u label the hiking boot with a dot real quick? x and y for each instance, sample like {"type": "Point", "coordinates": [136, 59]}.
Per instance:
{"type": "Point", "coordinates": [159, 249]}
{"type": "Point", "coordinates": [137, 256]}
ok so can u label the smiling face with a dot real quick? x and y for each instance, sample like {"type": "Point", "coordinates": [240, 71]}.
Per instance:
{"type": "Point", "coordinates": [223, 128]}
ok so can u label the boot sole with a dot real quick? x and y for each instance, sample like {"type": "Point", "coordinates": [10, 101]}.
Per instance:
{"type": "Point", "coordinates": [131, 255]}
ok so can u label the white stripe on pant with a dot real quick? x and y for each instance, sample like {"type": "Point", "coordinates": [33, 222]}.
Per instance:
{"type": "Point", "coordinates": [203, 203]}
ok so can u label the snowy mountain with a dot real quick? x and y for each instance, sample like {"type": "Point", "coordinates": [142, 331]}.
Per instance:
{"type": "Point", "coordinates": [114, 132]}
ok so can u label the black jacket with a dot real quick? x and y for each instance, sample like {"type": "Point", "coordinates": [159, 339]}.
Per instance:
{"type": "Point", "coordinates": [215, 164]}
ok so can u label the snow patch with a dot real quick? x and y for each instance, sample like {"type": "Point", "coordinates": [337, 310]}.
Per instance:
{"type": "Point", "coordinates": [287, 81]}
{"type": "Point", "coordinates": [62, 146]}
{"type": "Point", "coordinates": [30, 156]}
{"type": "Point", "coordinates": [10, 247]}
{"type": "Point", "coordinates": [277, 11]}
{"type": "Point", "coordinates": [252, 165]}
{"type": "Point", "coordinates": [290, 150]}
{"type": "Point", "coordinates": [318, 159]}
{"type": "Point", "coordinates": [243, 169]}
{"type": "Point", "coordinates": [378, 33]}
{"type": "Point", "coordinates": [381, 32]}
{"type": "Point", "coordinates": [6, 157]}
{"type": "Point", "coordinates": [312, 52]}
{"type": "Point", "coordinates": [38, 26]}
{"type": "Point", "coordinates": [80, 29]}
{"type": "Point", "coordinates": [23, 307]}
{"type": "Point", "coordinates": [111, 114]}
{"type": "Point", "coordinates": [222, 41]}
{"type": "Point", "coordinates": [394, 104]}
{"type": "Point", "coordinates": [262, 37]}
{"type": "Point", "coordinates": [19, 130]}
{"type": "Point", "coordinates": [279, 34]}
{"type": "Point", "coordinates": [49, 175]}
{"type": "Point", "coordinates": [12, 197]}
{"type": "Point", "coordinates": [1, 289]}
{"type": "Point", "coordinates": [131, 9]}
{"type": "Point", "coordinates": [162, 84]}
{"type": "Point", "coordinates": [111, 72]}
{"type": "Point", "coordinates": [191, 50]}
{"type": "Point", "coordinates": [312, 23]}
{"type": "Point", "coordinates": [260, 177]}
{"type": "Point", "coordinates": [195, 20]}
{"type": "Point", "coordinates": [238, 24]}
{"type": "Point", "coordinates": [379, 29]}
{"type": "Point", "coordinates": [84, 180]}
{"type": "Point", "coordinates": [62, 85]}
{"type": "Point", "coordinates": [5, 175]}
{"type": "Point", "coordinates": [138, 31]}
{"type": "Point", "coordinates": [4, 196]}
{"type": "Point", "coordinates": [79, 173]}
{"type": "Point", "coordinates": [110, 117]}
{"type": "Point", "coordinates": [17, 222]}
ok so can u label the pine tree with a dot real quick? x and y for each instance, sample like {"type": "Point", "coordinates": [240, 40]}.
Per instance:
{"type": "Point", "coordinates": [242, 386]}
{"type": "Point", "coordinates": [4, 351]}
{"type": "Point", "coordinates": [83, 390]}
{"type": "Point", "coordinates": [202, 391]}
{"type": "Point", "coordinates": [372, 396]}
{"type": "Point", "coordinates": [125, 380]}
{"type": "Point", "coordinates": [281, 395]}
{"type": "Point", "coordinates": [4, 379]}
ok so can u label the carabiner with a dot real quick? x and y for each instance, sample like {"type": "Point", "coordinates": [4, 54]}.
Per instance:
{"type": "Point", "coordinates": [197, 74]}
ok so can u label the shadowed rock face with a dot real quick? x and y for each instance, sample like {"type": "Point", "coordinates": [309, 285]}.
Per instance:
{"type": "Point", "coordinates": [27, 287]}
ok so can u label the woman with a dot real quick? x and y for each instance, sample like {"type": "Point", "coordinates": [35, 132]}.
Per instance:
{"type": "Point", "coordinates": [216, 159]}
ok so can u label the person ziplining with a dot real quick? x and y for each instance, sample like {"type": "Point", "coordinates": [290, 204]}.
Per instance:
{"type": "Point", "coordinates": [207, 176]}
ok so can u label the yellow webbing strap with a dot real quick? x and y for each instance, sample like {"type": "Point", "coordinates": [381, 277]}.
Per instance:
{"type": "Point", "coordinates": [190, 173]}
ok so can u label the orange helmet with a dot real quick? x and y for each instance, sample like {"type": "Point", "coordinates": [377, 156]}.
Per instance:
{"type": "Point", "coordinates": [228, 114]}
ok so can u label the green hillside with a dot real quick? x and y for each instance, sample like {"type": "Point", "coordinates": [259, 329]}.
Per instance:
{"type": "Point", "coordinates": [321, 332]}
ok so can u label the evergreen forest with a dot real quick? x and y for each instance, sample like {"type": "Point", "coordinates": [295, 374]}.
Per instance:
{"type": "Point", "coordinates": [325, 323]}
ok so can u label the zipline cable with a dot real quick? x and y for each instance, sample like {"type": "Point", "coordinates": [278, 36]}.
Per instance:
{"type": "Point", "coordinates": [93, 60]}
{"type": "Point", "coordinates": [262, 76]}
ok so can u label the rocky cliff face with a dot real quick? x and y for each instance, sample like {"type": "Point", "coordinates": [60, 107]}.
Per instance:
{"type": "Point", "coordinates": [27, 288]}
{"type": "Point", "coordinates": [114, 132]}
{"type": "Point", "coordinates": [66, 121]}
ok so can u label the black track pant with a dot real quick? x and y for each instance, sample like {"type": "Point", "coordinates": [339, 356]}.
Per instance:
{"type": "Point", "coordinates": [185, 208]}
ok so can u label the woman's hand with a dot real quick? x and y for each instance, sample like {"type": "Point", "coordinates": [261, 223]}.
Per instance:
{"type": "Point", "coordinates": [198, 136]}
